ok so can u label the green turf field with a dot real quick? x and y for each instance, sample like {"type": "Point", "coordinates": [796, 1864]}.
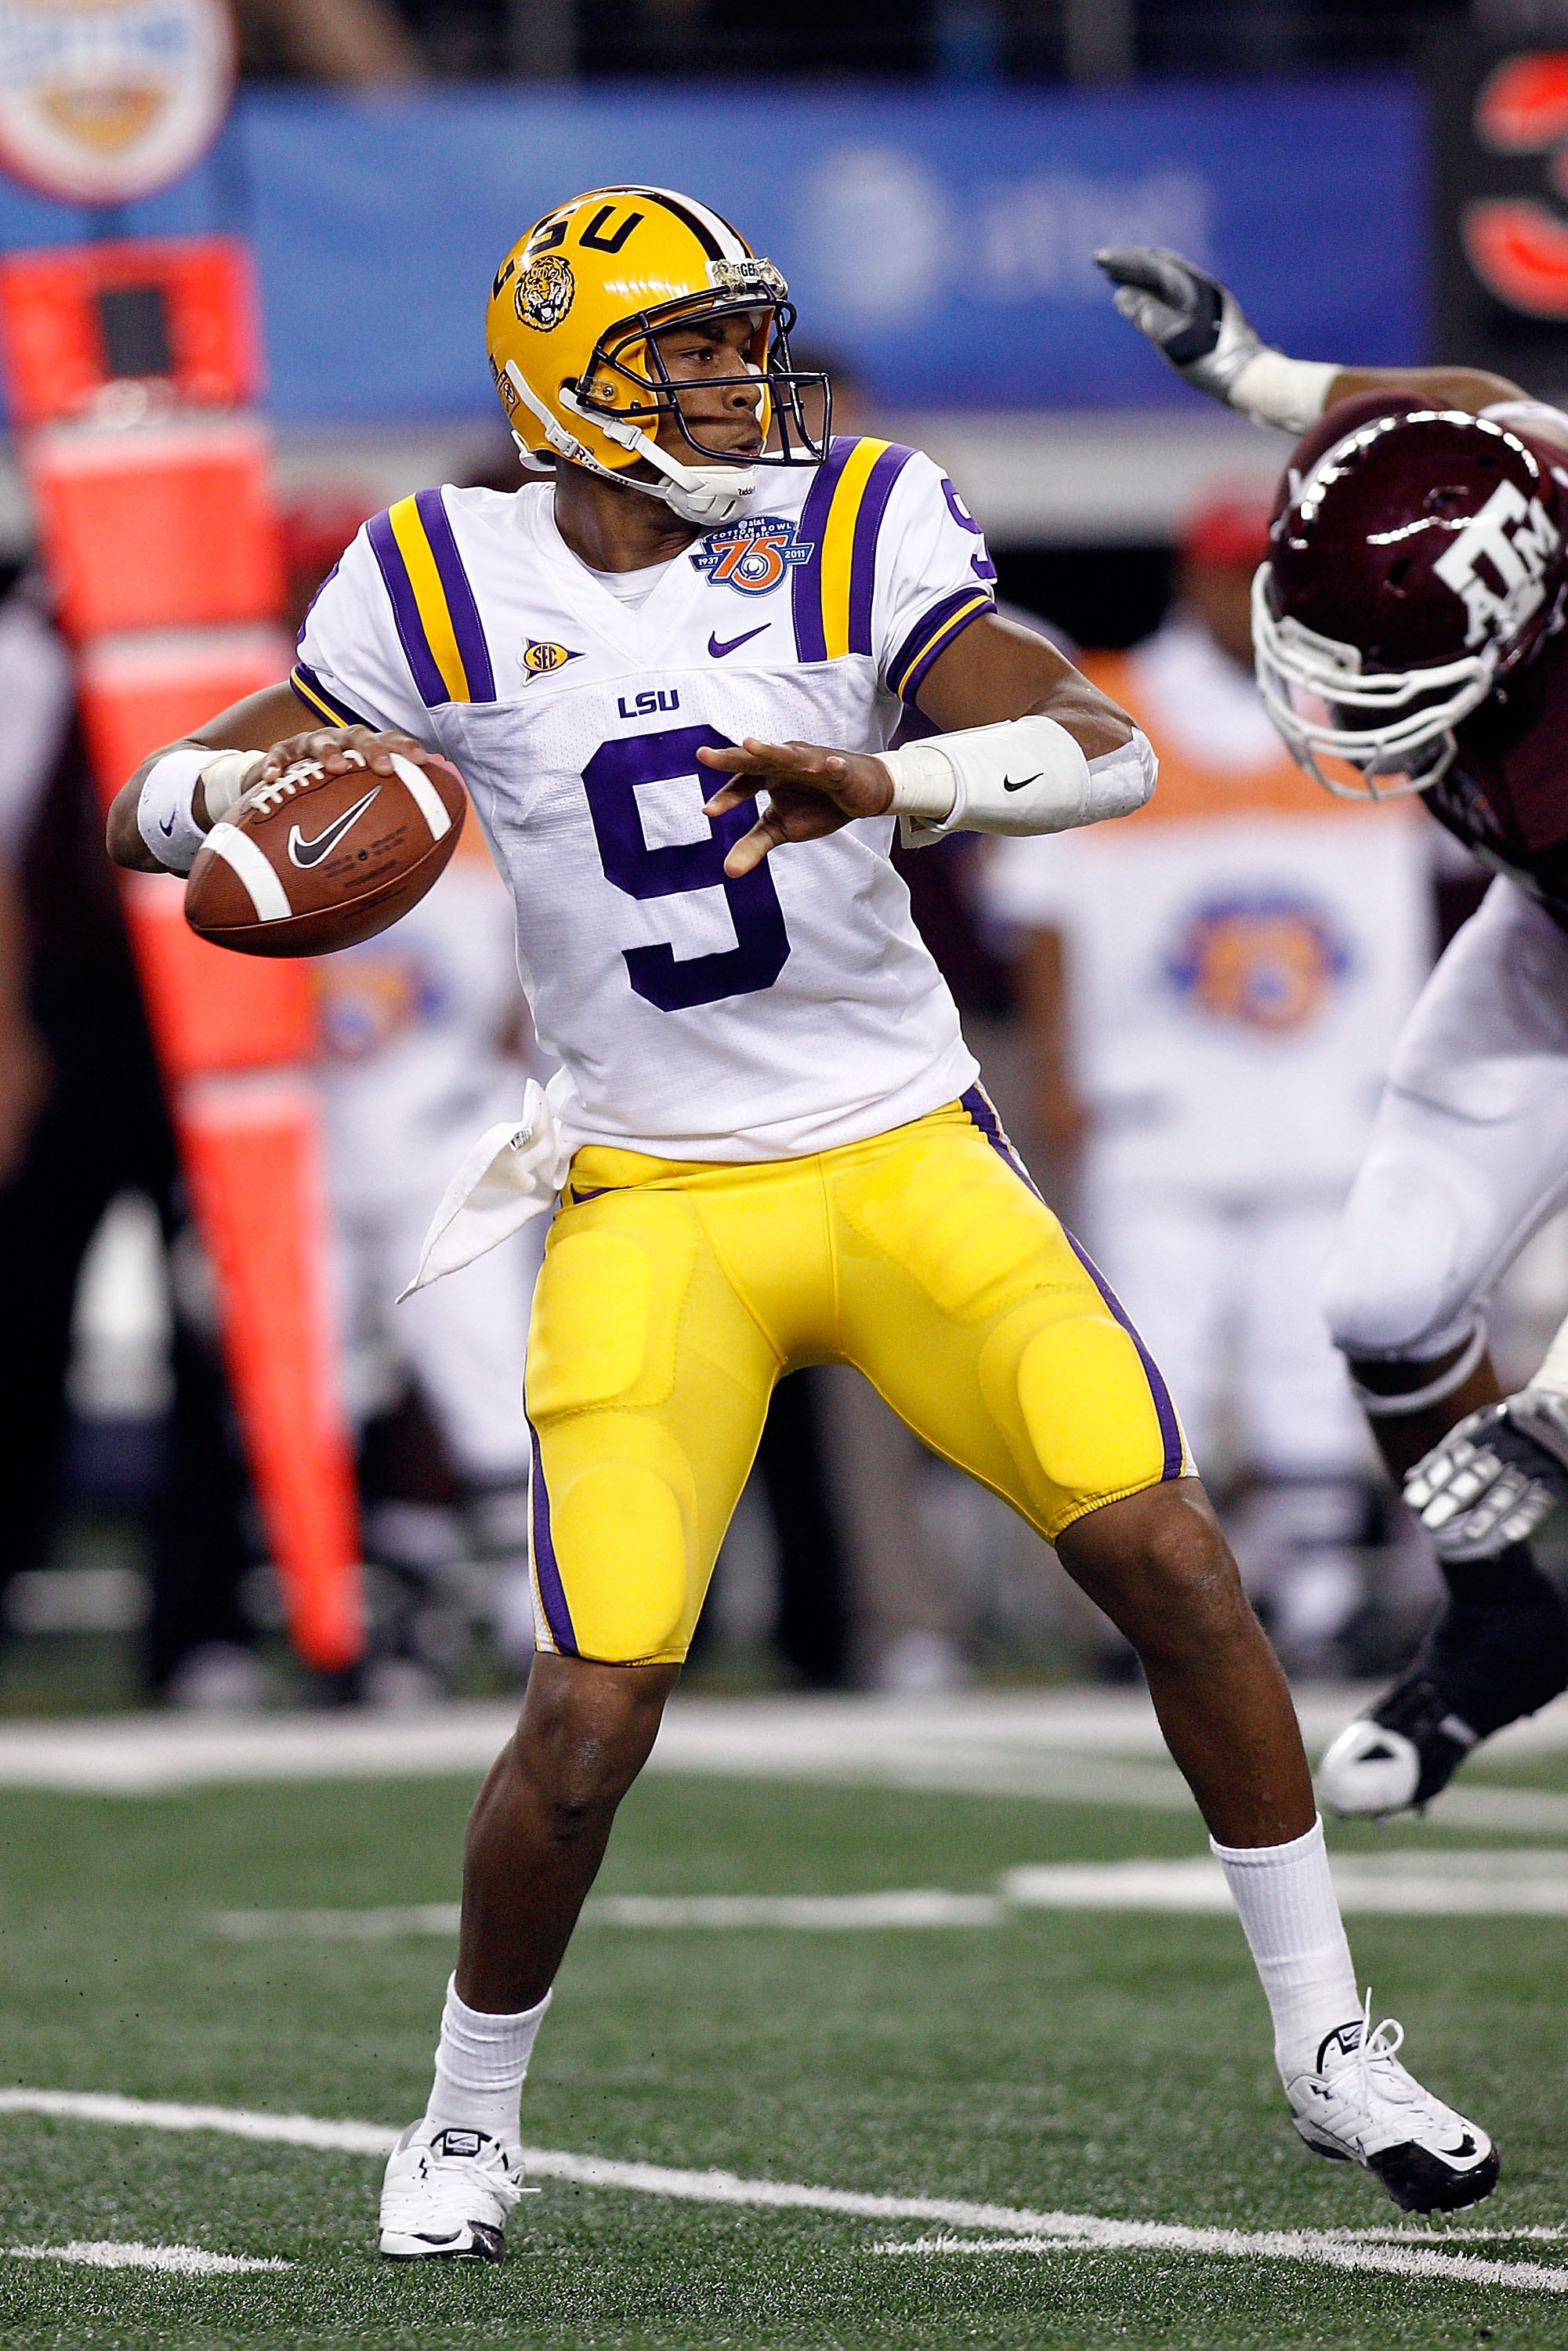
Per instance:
{"type": "Point", "coordinates": [1093, 2064]}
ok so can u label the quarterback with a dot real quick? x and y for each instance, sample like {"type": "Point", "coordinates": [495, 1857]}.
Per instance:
{"type": "Point", "coordinates": [669, 672]}
{"type": "Point", "coordinates": [1409, 627]}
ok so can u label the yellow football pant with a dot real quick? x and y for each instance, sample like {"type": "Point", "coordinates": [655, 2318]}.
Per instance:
{"type": "Point", "coordinates": [675, 1294]}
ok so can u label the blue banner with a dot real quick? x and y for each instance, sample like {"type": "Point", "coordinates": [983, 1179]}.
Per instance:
{"type": "Point", "coordinates": [936, 242]}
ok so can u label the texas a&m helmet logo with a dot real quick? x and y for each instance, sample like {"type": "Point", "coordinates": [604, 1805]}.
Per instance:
{"type": "Point", "coordinates": [751, 555]}
{"type": "Point", "coordinates": [1498, 564]}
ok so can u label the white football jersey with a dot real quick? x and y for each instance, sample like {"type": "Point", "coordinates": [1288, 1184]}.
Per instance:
{"type": "Point", "coordinates": [699, 1018]}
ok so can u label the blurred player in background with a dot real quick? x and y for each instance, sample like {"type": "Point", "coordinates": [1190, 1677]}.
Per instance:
{"type": "Point", "coordinates": [83, 1119]}
{"type": "Point", "coordinates": [1214, 987]}
{"type": "Point", "coordinates": [768, 1139]}
{"type": "Point", "coordinates": [427, 1040]}
{"type": "Point", "coordinates": [1409, 635]}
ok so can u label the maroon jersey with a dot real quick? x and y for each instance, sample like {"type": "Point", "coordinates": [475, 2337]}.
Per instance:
{"type": "Point", "coordinates": [1505, 794]}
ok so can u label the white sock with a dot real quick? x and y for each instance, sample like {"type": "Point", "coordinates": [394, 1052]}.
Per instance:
{"type": "Point", "coordinates": [480, 2065]}
{"type": "Point", "coordinates": [1290, 1916]}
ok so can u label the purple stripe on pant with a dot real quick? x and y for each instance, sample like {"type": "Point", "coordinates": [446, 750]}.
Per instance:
{"type": "Point", "coordinates": [552, 1595]}
{"type": "Point", "coordinates": [977, 1103]}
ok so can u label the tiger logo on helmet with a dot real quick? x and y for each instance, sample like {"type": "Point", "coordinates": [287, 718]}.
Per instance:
{"type": "Point", "coordinates": [576, 312]}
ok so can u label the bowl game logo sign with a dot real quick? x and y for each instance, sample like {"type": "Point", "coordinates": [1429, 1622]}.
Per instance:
{"type": "Point", "coordinates": [752, 556]}
{"type": "Point", "coordinates": [1267, 963]}
{"type": "Point", "coordinates": [104, 101]}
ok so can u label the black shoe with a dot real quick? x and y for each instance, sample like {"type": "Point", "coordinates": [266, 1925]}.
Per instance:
{"type": "Point", "coordinates": [1484, 1663]}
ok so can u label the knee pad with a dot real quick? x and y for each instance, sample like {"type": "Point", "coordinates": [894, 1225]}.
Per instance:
{"type": "Point", "coordinates": [1403, 1274]}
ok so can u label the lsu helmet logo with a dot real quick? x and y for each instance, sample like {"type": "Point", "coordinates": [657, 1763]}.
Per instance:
{"type": "Point", "coordinates": [1266, 963]}
{"type": "Point", "coordinates": [750, 556]}
{"type": "Point", "coordinates": [542, 659]}
{"type": "Point", "coordinates": [546, 291]}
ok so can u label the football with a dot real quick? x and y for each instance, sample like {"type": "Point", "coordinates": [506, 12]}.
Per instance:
{"type": "Point", "coordinates": [314, 862]}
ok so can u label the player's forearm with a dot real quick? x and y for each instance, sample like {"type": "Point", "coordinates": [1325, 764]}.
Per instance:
{"type": "Point", "coordinates": [1471, 389]}
{"type": "Point", "coordinates": [254, 724]}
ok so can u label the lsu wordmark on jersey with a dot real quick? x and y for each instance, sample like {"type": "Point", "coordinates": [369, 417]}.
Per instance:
{"type": "Point", "coordinates": [700, 1017]}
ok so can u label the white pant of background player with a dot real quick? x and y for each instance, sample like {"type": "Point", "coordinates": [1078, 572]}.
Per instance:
{"type": "Point", "coordinates": [1468, 1155]}
{"type": "Point", "coordinates": [425, 1043]}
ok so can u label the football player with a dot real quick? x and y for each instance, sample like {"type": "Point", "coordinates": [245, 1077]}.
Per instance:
{"type": "Point", "coordinates": [1408, 630]}
{"type": "Point", "coordinates": [669, 674]}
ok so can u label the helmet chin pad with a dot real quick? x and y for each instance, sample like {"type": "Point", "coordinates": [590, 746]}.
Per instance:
{"type": "Point", "coordinates": [697, 493]}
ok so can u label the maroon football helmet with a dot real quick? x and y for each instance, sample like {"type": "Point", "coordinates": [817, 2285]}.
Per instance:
{"type": "Point", "coordinates": [1415, 557]}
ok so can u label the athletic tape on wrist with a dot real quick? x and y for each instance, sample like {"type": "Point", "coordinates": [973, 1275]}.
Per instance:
{"type": "Point", "coordinates": [1019, 776]}
{"type": "Point", "coordinates": [1289, 395]}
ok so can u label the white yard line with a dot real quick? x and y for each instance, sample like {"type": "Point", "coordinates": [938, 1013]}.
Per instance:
{"type": "Point", "coordinates": [1269, 2245]}
{"type": "Point", "coordinates": [1075, 1746]}
{"type": "Point", "coordinates": [109, 2254]}
{"type": "Point", "coordinates": [1011, 2228]}
{"type": "Point", "coordinates": [1400, 1883]}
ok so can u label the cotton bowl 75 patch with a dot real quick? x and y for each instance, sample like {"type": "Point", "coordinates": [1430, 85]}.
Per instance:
{"type": "Point", "coordinates": [752, 556]}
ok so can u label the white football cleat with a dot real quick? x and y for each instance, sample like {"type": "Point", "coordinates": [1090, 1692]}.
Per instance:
{"type": "Point", "coordinates": [1360, 2105]}
{"type": "Point", "coordinates": [447, 2193]}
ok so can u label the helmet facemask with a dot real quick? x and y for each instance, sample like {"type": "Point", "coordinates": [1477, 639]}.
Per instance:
{"type": "Point", "coordinates": [1394, 726]}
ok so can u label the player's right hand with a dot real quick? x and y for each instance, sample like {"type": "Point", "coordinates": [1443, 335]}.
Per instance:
{"type": "Point", "coordinates": [1192, 320]}
{"type": "Point", "coordinates": [336, 749]}
{"type": "Point", "coordinates": [1494, 1478]}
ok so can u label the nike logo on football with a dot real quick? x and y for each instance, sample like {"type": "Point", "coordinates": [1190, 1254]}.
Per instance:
{"type": "Point", "coordinates": [719, 651]}
{"type": "Point", "coordinates": [1009, 785]}
{"type": "Point", "coordinates": [306, 853]}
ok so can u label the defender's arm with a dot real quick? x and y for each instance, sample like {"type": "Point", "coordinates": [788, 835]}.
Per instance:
{"type": "Point", "coordinates": [1199, 327]}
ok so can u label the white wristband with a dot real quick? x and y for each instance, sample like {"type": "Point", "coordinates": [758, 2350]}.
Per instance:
{"type": "Point", "coordinates": [165, 817]}
{"type": "Point", "coordinates": [1022, 776]}
{"type": "Point", "coordinates": [1290, 394]}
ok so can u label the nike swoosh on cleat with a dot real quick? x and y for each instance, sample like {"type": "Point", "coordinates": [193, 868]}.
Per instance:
{"type": "Point", "coordinates": [306, 853]}
{"type": "Point", "coordinates": [1009, 785]}
{"type": "Point", "coordinates": [719, 651]}
{"type": "Point", "coordinates": [1466, 2147]}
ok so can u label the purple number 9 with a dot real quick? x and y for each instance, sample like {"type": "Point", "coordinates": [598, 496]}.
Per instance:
{"type": "Point", "coordinates": [762, 944]}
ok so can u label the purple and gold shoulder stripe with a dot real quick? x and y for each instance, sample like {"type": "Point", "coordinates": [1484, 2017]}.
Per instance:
{"type": "Point", "coordinates": [320, 699]}
{"type": "Point", "coordinates": [831, 593]}
{"type": "Point", "coordinates": [931, 635]}
{"type": "Point", "coordinates": [437, 619]}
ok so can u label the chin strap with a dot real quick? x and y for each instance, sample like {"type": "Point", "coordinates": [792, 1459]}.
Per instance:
{"type": "Point", "coordinates": [699, 493]}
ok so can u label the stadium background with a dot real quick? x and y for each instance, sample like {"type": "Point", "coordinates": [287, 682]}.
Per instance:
{"type": "Point", "coordinates": [933, 177]}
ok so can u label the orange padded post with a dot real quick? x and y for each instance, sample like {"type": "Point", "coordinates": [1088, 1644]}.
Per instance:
{"type": "Point", "coordinates": [251, 1152]}
{"type": "Point", "coordinates": [162, 524]}
{"type": "Point", "coordinates": [129, 363]}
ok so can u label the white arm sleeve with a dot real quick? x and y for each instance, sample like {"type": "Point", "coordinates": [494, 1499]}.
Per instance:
{"type": "Point", "coordinates": [1021, 776]}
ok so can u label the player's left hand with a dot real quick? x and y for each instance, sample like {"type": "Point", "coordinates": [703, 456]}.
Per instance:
{"type": "Point", "coordinates": [811, 791]}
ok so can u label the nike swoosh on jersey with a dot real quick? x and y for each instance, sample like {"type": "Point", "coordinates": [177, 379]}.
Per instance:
{"type": "Point", "coordinates": [1009, 785]}
{"type": "Point", "coordinates": [306, 853]}
{"type": "Point", "coordinates": [719, 651]}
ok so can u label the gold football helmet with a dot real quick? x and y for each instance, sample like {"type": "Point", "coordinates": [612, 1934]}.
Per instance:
{"type": "Point", "coordinates": [575, 313]}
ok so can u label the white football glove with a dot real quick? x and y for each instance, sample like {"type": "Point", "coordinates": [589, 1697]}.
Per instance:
{"type": "Point", "coordinates": [1495, 1476]}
